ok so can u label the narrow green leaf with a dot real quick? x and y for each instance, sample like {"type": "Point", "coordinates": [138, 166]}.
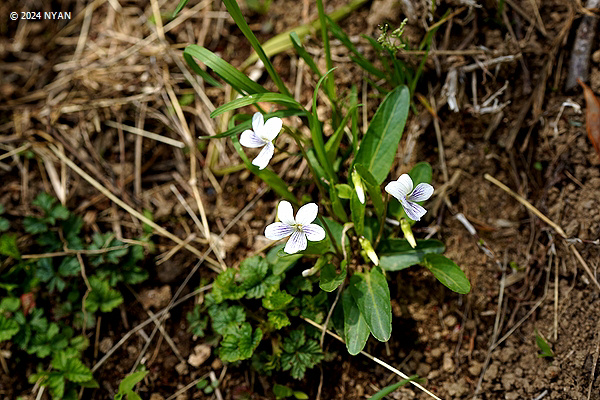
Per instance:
{"type": "Point", "coordinates": [268, 176]}
{"type": "Point", "coordinates": [380, 144]}
{"type": "Point", "coordinates": [333, 144]}
{"type": "Point", "coordinates": [372, 295]}
{"type": "Point", "coordinates": [317, 134]}
{"type": "Point", "coordinates": [282, 42]}
{"type": "Point", "coordinates": [301, 51]}
{"type": "Point", "coordinates": [179, 7]}
{"type": "Point", "coordinates": [392, 388]}
{"type": "Point", "coordinates": [129, 382]}
{"type": "Point", "coordinates": [356, 330]}
{"type": "Point", "coordinates": [397, 254]}
{"type": "Point", "coordinates": [228, 72]}
{"type": "Point", "coordinates": [236, 14]}
{"type": "Point", "coordinates": [545, 349]}
{"type": "Point", "coordinates": [277, 98]}
{"type": "Point", "coordinates": [373, 188]}
{"type": "Point", "coordinates": [358, 213]}
{"type": "Point", "coordinates": [448, 273]}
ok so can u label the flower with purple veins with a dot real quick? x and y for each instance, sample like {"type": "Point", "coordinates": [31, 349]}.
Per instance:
{"type": "Point", "coordinates": [301, 228]}
{"type": "Point", "coordinates": [402, 190]}
{"type": "Point", "coordinates": [262, 134]}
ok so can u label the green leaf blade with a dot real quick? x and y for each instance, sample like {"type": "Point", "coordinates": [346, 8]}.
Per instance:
{"type": "Point", "coordinates": [380, 143]}
{"type": "Point", "coordinates": [448, 273]}
{"type": "Point", "coordinates": [356, 330]}
{"type": "Point", "coordinates": [372, 296]}
{"type": "Point", "coordinates": [397, 254]}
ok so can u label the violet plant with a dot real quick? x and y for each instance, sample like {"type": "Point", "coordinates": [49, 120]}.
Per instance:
{"type": "Point", "coordinates": [341, 240]}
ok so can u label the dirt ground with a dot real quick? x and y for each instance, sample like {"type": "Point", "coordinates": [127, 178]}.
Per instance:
{"type": "Point", "coordinates": [71, 83]}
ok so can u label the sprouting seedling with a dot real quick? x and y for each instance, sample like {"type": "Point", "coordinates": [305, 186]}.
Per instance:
{"type": "Point", "coordinates": [402, 190]}
{"type": "Point", "coordinates": [262, 135]}
{"type": "Point", "coordinates": [301, 228]}
{"type": "Point", "coordinates": [545, 350]}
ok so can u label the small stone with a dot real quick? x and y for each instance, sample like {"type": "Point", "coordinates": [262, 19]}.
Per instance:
{"type": "Point", "coordinates": [491, 373]}
{"type": "Point", "coordinates": [158, 297]}
{"type": "Point", "coordinates": [156, 396]}
{"type": "Point", "coordinates": [436, 353]}
{"type": "Point", "coordinates": [596, 57]}
{"type": "Point", "coordinates": [448, 363]}
{"type": "Point", "coordinates": [216, 364]}
{"type": "Point", "coordinates": [200, 354]}
{"type": "Point", "coordinates": [470, 325]}
{"type": "Point", "coordinates": [511, 396]}
{"type": "Point", "coordinates": [475, 369]}
{"type": "Point", "coordinates": [423, 369]}
{"type": "Point", "coordinates": [552, 372]}
{"type": "Point", "coordinates": [105, 344]}
{"type": "Point", "coordinates": [507, 354]}
{"type": "Point", "coordinates": [182, 368]}
{"type": "Point", "coordinates": [508, 381]}
{"type": "Point", "coordinates": [132, 350]}
{"type": "Point", "coordinates": [450, 321]}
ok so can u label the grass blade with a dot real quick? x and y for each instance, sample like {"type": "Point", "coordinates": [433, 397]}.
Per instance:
{"type": "Point", "coordinates": [256, 98]}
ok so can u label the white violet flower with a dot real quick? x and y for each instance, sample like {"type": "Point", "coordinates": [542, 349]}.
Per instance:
{"type": "Point", "coordinates": [263, 134]}
{"type": "Point", "coordinates": [402, 189]}
{"type": "Point", "coordinates": [300, 228]}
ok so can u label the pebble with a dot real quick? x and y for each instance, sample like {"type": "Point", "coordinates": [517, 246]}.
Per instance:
{"type": "Point", "coordinates": [448, 363]}
{"type": "Point", "coordinates": [511, 396]}
{"type": "Point", "coordinates": [423, 369]}
{"type": "Point", "coordinates": [450, 321]}
{"type": "Point", "coordinates": [436, 353]}
{"type": "Point", "coordinates": [200, 354]}
{"type": "Point", "coordinates": [552, 372]}
{"type": "Point", "coordinates": [156, 396]}
{"type": "Point", "coordinates": [182, 368]}
{"type": "Point", "coordinates": [105, 344]}
{"type": "Point", "coordinates": [491, 373]}
{"type": "Point", "coordinates": [596, 57]}
{"type": "Point", "coordinates": [475, 369]}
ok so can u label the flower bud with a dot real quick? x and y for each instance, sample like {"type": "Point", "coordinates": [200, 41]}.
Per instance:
{"type": "Point", "coordinates": [408, 235]}
{"type": "Point", "coordinates": [358, 186]}
{"type": "Point", "coordinates": [368, 248]}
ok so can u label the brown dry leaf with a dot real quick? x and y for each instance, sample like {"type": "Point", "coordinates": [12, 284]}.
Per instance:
{"type": "Point", "coordinates": [592, 115]}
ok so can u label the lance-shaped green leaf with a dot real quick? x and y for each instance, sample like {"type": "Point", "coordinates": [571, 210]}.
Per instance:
{"type": "Point", "coordinates": [301, 51]}
{"type": "Point", "coordinates": [373, 188]}
{"type": "Point", "coordinates": [268, 176]}
{"type": "Point", "coordinates": [380, 144]}
{"type": "Point", "coordinates": [397, 254]}
{"type": "Point", "coordinates": [448, 273]}
{"type": "Point", "coordinates": [277, 98]}
{"type": "Point", "coordinates": [228, 72]}
{"type": "Point", "coordinates": [236, 14]}
{"type": "Point", "coordinates": [356, 330]}
{"type": "Point", "coordinates": [420, 173]}
{"type": "Point", "coordinates": [372, 296]}
{"type": "Point", "coordinates": [316, 133]}
{"type": "Point", "coordinates": [333, 144]}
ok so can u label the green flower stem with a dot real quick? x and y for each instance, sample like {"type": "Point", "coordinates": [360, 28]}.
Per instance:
{"type": "Point", "coordinates": [382, 220]}
{"type": "Point", "coordinates": [331, 237]}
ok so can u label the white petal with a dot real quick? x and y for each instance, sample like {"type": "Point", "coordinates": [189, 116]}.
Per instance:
{"type": "Point", "coordinates": [360, 193]}
{"type": "Point", "coordinates": [307, 214]}
{"type": "Point", "coordinates": [422, 192]}
{"type": "Point", "coordinates": [265, 155]}
{"type": "Point", "coordinates": [285, 213]}
{"type": "Point", "coordinates": [257, 122]}
{"type": "Point", "coordinates": [250, 139]}
{"type": "Point", "coordinates": [271, 128]}
{"type": "Point", "coordinates": [278, 230]}
{"type": "Point", "coordinates": [296, 243]}
{"type": "Point", "coordinates": [413, 210]}
{"type": "Point", "coordinates": [396, 189]}
{"type": "Point", "coordinates": [314, 232]}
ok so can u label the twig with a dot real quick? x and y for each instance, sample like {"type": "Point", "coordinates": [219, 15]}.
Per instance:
{"type": "Point", "coordinates": [589, 394]}
{"type": "Point", "coordinates": [146, 134]}
{"type": "Point", "coordinates": [375, 359]}
{"type": "Point", "coordinates": [187, 387]}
